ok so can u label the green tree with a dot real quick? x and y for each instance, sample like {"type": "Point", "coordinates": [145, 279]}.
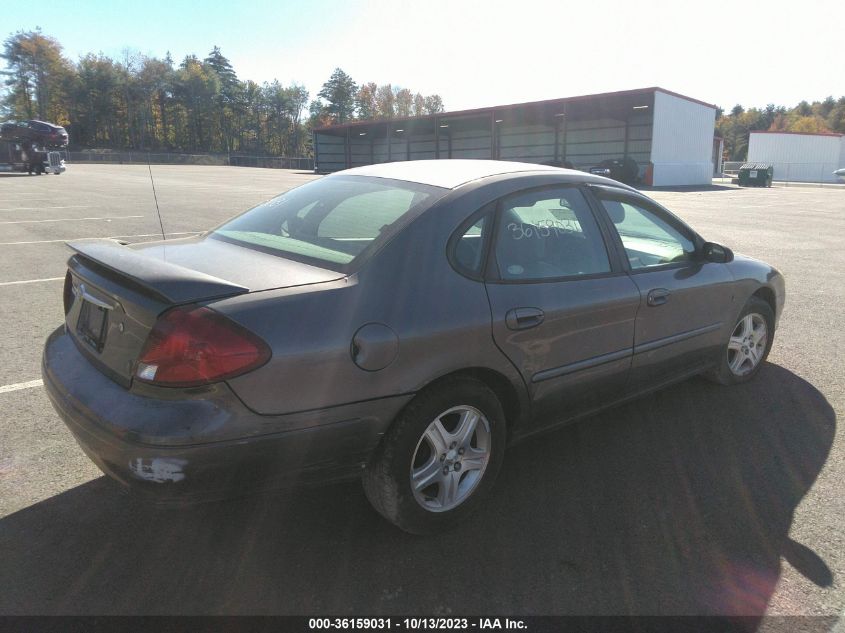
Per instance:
{"type": "Point", "coordinates": [434, 104]}
{"type": "Point", "coordinates": [404, 102]}
{"type": "Point", "coordinates": [36, 75]}
{"type": "Point", "coordinates": [197, 87]}
{"type": "Point", "coordinates": [144, 102]}
{"type": "Point", "coordinates": [365, 101]}
{"type": "Point", "coordinates": [229, 87]}
{"type": "Point", "coordinates": [339, 93]}
{"type": "Point", "coordinates": [386, 102]}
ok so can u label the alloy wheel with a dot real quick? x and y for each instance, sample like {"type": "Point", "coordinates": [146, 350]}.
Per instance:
{"type": "Point", "coordinates": [450, 458]}
{"type": "Point", "coordinates": [747, 344]}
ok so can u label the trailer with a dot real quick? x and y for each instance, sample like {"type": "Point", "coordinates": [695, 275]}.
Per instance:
{"type": "Point", "coordinates": [22, 156]}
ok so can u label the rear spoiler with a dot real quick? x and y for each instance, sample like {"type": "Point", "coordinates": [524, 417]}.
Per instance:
{"type": "Point", "coordinates": [176, 284]}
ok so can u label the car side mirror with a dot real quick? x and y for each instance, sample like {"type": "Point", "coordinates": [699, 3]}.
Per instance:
{"type": "Point", "coordinates": [716, 253]}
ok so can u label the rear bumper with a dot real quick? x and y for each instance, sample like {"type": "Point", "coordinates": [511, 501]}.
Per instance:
{"type": "Point", "coordinates": [199, 448]}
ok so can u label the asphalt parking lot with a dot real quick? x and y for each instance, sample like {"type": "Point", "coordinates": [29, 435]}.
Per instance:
{"type": "Point", "coordinates": [697, 500]}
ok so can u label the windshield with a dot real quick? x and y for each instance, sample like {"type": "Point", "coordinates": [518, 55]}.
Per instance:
{"type": "Point", "coordinates": [334, 222]}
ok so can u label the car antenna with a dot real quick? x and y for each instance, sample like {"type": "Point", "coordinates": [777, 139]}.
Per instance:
{"type": "Point", "coordinates": [155, 197]}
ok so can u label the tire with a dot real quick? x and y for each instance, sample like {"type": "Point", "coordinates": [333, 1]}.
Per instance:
{"type": "Point", "coordinates": [735, 366]}
{"type": "Point", "coordinates": [408, 447]}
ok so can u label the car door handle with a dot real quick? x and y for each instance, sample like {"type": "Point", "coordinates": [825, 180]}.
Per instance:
{"type": "Point", "coordinates": [524, 318]}
{"type": "Point", "coordinates": [658, 297]}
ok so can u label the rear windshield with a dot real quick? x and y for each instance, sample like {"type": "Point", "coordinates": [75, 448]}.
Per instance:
{"type": "Point", "coordinates": [333, 222]}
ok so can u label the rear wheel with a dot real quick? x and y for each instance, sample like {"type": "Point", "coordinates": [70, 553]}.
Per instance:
{"type": "Point", "coordinates": [440, 458]}
{"type": "Point", "coordinates": [748, 346]}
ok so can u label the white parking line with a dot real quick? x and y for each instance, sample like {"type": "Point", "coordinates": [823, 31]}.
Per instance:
{"type": "Point", "coordinates": [29, 281]}
{"type": "Point", "coordinates": [110, 237]}
{"type": "Point", "coordinates": [21, 385]}
{"type": "Point", "coordinates": [71, 206]}
{"type": "Point", "coordinates": [114, 217]}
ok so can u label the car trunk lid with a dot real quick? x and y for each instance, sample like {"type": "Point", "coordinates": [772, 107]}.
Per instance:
{"type": "Point", "coordinates": [114, 293]}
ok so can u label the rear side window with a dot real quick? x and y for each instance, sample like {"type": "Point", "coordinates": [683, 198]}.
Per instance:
{"type": "Point", "coordinates": [332, 222]}
{"type": "Point", "coordinates": [469, 248]}
{"type": "Point", "coordinates": [546, 234]}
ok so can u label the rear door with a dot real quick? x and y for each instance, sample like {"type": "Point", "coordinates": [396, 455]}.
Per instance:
{"type": "Point", "coordinates": [685, 300]}
{"type": "Point", "coordinates": [563, 307]}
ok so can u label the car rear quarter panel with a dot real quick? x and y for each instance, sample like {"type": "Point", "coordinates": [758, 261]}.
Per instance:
{"type": "Point", "coordinates": [441, 321]}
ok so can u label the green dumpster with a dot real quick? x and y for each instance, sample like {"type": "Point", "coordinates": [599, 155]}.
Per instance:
{"type": "Point", "coordinates": [756, 175]}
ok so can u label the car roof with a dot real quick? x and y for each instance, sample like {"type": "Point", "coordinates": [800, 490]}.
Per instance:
{"type": "Point", "coordinates": [450, 173]}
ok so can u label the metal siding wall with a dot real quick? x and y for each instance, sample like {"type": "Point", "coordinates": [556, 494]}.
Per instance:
{"type": "Point", "coordinates": [798, 157]}
{"type": "Point", "coordinates": [682, 141]}
{"type": "Point", "coordinates": [380, 150]}
{"type": "Point", "coordinates": [331, 152]}
{"type": "Point", "coordinates": [527, 143]}
{"type": "Point", "coordinates": [398, 149]}
{"type": "Point", "coordinates": [467, 144]}
{"type": "Point", "coordinates": [422, 147]}
{"type": "Point", "coordinates": [590, 142]}
{"type": "Point", "coordinates": [359, 151]}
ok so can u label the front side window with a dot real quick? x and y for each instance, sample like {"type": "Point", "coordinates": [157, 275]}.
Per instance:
{"type": "Point", "coordinates": [334, 221]}
{"type": "Point", "coordinates": [546, 234]}
{"type": "Point", "coordinates": [649, 240]}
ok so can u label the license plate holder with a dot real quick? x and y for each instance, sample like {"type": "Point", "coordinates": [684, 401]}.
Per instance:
{"type": "Point", "coordinates": [91, 325]}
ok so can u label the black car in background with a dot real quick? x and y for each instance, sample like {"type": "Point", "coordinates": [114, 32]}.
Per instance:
{"type": "Point", "coordinates": [621, 169]}
{"type": "Point", "coordinates": [36, 132]}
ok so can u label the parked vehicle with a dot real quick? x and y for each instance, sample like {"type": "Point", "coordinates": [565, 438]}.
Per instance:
{"type": "Point", "coordinates": [840, 173]}
{"type": "Point", "coordinates": [620, 169]}
{"type": "Point", "coordinates": [23, 156]}
{"type": "Point", "coordinates": [402, 321]}
{"type": "Point", "coordinates": [40, 133]}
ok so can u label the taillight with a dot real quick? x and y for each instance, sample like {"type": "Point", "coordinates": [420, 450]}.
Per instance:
{"type": "Point", "coordinates": [67, 295]}
{"type": "Point", "coordinates": [192, 346]}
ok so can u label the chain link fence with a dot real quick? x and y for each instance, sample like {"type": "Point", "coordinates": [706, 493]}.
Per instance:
{"type": "Point", "coordinates": [788, 173]}
{"type": "Point", "coordinates": [167, 158]}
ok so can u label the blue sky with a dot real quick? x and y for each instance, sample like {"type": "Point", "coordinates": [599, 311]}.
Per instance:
{"type": "Point", "coordinates": [475, 53]}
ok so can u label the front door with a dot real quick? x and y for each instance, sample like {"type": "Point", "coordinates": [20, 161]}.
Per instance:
{"type": "Point", "coordinates": [684, 300]}
{"type": "Point", "coordinates": [563, 308]}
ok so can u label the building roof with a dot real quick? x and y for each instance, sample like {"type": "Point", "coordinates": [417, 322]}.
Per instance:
{"type": "Point", "coordinates": [502, 108]}
{"type": "Point", "coordinates": [798, 133]}
{"type": "Point", "coordinates": [450, 173]}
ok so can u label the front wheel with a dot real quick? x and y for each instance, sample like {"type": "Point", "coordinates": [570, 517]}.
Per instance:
{"type": "Point", "coordinates": [440, 458]}
{"type": "Point", "coordinates": [748, 346]}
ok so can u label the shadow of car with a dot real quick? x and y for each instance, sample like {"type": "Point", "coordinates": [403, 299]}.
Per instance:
{"type": "Point", "coordinates": [679, 503]}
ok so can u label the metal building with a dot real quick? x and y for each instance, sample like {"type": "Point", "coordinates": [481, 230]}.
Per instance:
{"type": "Point", "coordinates": [799, 157]}
{"type": "Point", "coordinates": [670, 136]}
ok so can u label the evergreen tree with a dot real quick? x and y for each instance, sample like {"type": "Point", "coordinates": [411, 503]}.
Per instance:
{"type": "Point", "coordinates": [339, 93]}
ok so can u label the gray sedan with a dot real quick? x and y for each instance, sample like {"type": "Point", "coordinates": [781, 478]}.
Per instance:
{"type": "Point", "coordinates": [403, 323]}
